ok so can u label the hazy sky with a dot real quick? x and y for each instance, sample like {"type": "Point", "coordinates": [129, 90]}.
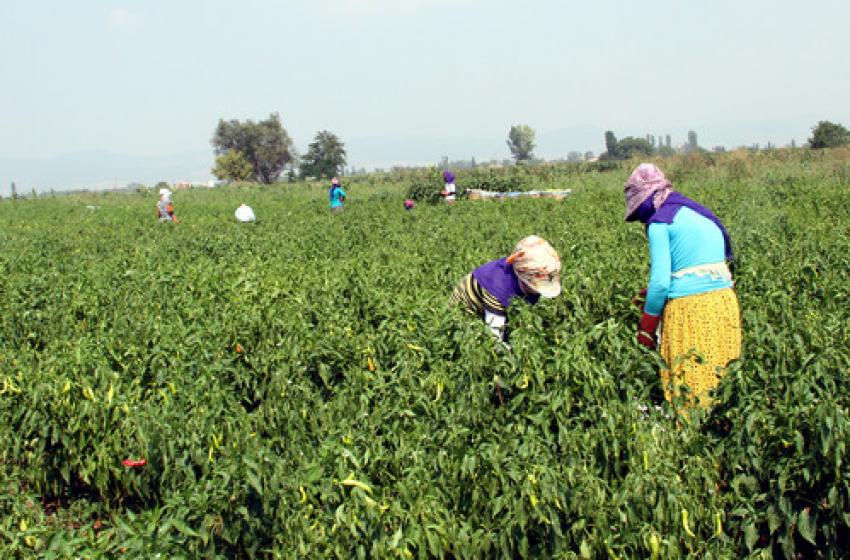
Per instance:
{"type": "Point", "coordinates": [154, 76]}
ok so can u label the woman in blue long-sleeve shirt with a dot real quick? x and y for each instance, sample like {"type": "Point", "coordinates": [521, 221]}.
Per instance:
{"type": "Point", "coordinates": [336, 195]}
{"type": "Point", "coordinates": [690, 285]}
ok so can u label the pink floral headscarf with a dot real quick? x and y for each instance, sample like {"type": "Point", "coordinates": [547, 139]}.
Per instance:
{"type": "Point", "coordinates": [646, 180]}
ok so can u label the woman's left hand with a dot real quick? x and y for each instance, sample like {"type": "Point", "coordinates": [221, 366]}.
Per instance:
{"type": "Point", "coordinates": [646, 331]}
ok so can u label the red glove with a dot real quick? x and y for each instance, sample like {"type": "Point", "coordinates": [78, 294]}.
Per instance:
{"type": "Point", "coordinates": [639, 299]}
{"type": "Point", "coordinates": [646, 331]}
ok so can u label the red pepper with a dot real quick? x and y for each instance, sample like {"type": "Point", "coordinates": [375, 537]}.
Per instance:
{"type": "Point", "coordinates": [134, 463]}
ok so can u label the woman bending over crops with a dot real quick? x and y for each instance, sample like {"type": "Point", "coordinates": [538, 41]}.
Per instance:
{"type": "Point", "coordinates": [165, 208]}
{"type": "Point", "coordinates": [531, 271]}
{"type": "Point", "coordinates": [690, 286]}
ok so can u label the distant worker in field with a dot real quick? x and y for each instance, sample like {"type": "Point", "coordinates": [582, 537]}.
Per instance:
{"type": "Point", "coordinates": [336, 195]}
{"type": "Point", "coordinates": [409, 204]}
{"type": "Point", "coordinates": [165, 207]}
{"type": "Point", "coordinates": [245, 213]}
{"type": "Point", "coordinates": [690, 291]}
{"type": "Point", "coordinates": [532, 271]}
{"type": "Point", "coordinates": [449, 189]}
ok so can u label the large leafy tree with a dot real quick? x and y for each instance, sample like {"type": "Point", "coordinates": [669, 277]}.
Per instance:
{"type": "Point", "coordinates": [521, 142]}
{"type": "Point", "coordinates": [325, 156]}
{"type": "Point", "coordinates": [233, 166]}
{"type": "Point", "coordinates": [265, 145]}
{"type": "Point", "coordinates": [630, 147]}
{"type": "Point", "coordinates": [626, 148]}
{"type": "Point", "coordinates": [611, 145]}
{"type": "Point", "coordinates": [829, 135]}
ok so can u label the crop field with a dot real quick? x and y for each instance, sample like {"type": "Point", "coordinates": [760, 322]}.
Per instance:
{"type": "Point", "coordinates": [300, 387]}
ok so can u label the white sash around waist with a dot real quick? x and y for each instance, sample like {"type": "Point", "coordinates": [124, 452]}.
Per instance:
{"type": "Point", "coordinates": [716, 271]}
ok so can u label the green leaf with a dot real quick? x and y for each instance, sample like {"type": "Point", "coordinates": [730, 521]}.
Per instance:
{"type": "Point", "coordinates": [773, 520]}
{"type": "Point", "coordinates": [751, 536]}
{"type": "Point", "coordinates": [254, 482]}
{"type": "Point", "coordinates": [396, 538]}
{"type": "Point", "coordinates": [313, 473]}
{"type": "Point", "coordinates": [807, 525]}
{"type": "Point", "coordinates": [181, 526]}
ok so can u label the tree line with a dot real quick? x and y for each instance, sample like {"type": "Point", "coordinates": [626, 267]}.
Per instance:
{"type": "Point", "coordinates": [262, 150]}
{"type": "Point", "coordinates": [825, 134]}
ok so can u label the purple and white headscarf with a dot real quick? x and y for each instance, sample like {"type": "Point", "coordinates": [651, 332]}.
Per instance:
{"type": "Point", "coordinates": [648, 181]}
{"type": "Point", "coordinates": [645, 181]}
{"type": "Point", "coordinates": [448, 177]}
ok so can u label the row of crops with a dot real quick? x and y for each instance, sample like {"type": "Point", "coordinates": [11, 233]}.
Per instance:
{"type": "Point", "coordinates": [300, 388]}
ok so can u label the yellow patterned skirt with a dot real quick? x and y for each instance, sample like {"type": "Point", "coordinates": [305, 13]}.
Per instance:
{"type": "Point", "coordinates": [700, 335]}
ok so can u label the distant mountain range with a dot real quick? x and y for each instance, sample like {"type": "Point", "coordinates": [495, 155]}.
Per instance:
{"type": "Point", "coordinates": [97, 170]}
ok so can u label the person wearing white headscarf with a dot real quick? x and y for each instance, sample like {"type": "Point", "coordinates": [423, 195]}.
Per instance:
{"type": "Point", "coordinates": [532, 271]}
{"type": "Point", "coordinates": [245, 213]}
{"type": "Point", "coordinates": [165, 208]}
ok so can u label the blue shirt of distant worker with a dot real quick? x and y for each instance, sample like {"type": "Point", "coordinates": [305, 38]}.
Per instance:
{"type": "Point", "coordinates": [336, 195]}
